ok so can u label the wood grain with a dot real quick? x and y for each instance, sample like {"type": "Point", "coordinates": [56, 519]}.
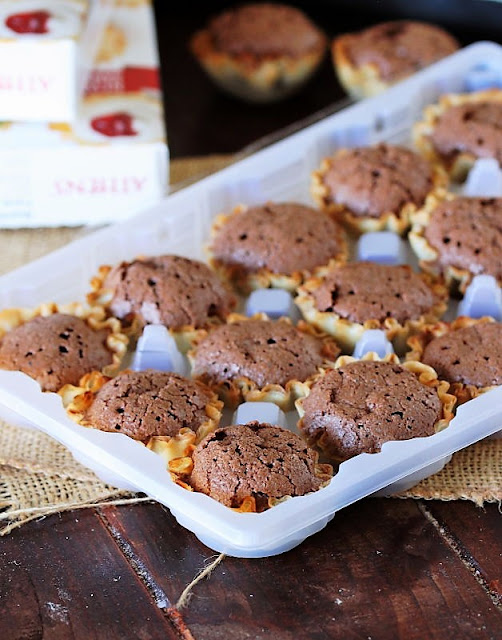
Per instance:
{"type": "Point", "coordinates": [64, 577]}
{"type": "Point", "coordinates": [475, 534]}
{"type": "Point", "coordinates": [379, 570]}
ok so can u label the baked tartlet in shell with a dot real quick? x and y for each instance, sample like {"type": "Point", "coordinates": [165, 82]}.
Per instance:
{"type": "Point", "coordinates": [175, 450]}
{"type": "Point", "coordinates": [94, 316]}
{"type": "Point", "coordinates": [360, 82]}
{"type": "Point", "coordinates": [425, 374]}
{"type": "Point", "coordinates": [455, 278]}
{"type": "Point", "coordinates": [396, 221]}
{"type": "Point", "coordinates": [243, 389]}
{"type": "Point", "coordinates": [255, 78]}
{"type": "Point", "coordinates": [322, 472]}
{"type": "Point", "coordinates": [184, 335]}
{"type": "Point", "coordinates": [347, 333]}
{"type": "Point", "coordinates": [417, 343]}
{"type": "Point", "coordinates": [367, 79]}
{"type": "Point", "coordinates": [459, 165]}
{"type": "Point", "coordinates": [246, 280]}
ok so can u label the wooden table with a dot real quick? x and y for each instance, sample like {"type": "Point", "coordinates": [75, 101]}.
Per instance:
{"type": "Point", "coordinates": [383, 568]}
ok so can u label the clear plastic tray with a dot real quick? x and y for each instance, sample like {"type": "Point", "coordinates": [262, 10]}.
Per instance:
{"type": "Point", "coordinates": [181, 224]}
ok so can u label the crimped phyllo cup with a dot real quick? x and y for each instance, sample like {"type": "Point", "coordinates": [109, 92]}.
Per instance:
{"type": "Point", "coordinates": [258, 359]}
{"type": "Point", "coordinates": [359, 405]}
{"type": "Point", "coordinates": [466, 352]}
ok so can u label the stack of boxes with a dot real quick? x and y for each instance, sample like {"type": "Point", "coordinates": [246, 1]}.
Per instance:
{"type": "Point", "coordinates": [82, 137]}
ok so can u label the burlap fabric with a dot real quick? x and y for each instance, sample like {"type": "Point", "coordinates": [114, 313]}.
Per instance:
{"type": "Point", "coordinates": [39, 477]}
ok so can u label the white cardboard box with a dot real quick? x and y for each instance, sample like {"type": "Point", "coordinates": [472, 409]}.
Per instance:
{"type": "Point", "coordinates": [40, 43]}
{"type": "Point", "coordinates": [113, 159]}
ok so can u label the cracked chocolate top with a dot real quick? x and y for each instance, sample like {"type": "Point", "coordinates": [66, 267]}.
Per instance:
{"type": "Point", "coordinates": [360, 406]}
{"type": "Point", "coordinates": [472, 355]}
{"type": "Point", "coordinates": [467, 234]}
{"type": "Point", "coordinates": [55, 350]}
{"type": "Point", "coordinates": [149, 403]}
{"type": "Point", "coordinates": [399, 48]}
{"type": "Point", "coordinates": [265, 30]}
{"type": "Point", "coordinates": [168, 290]}
{"type": "Point", "coordinates": [283, 238]}
{"type": "Point", "coordinates": [473, 127]}
{"type": "Point", "coordinates": [361, 291]}
{"type": "Point", "coordinates": [257, 460]}
{"type": "Point", "coordinates": [371, 181]}
{"type": "Point", "coordinates": [266, 352]}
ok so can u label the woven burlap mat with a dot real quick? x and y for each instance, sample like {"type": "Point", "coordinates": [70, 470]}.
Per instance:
{"type": "Point", "coordinates": [39, 477]}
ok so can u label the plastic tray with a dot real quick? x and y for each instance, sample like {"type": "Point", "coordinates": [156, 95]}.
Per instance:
{"type": "Point", "coordinates": [181, 224]}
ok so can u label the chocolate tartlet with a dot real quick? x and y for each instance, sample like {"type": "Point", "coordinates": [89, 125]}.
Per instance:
{"type": "Point", "coordinates": [142, 404]}
{"type": "Point", "coordinates": [357, 407]}
{"type": "Point", "coordinates": [459, 238]}
{"type": "Point", "coordinates": [257, 462]}
{"type": "Point", "coordinates": [467, 353]}
{"type": "Point", "coordinates": [59, 348]}
{"type": "Point", "coordinates": [370, 61]}
{"type": "Point", "coordinates": [461, 128]}
{"type": "Point", "coordinates": [258, 359]}
{"type": "Point", "coordinates": [365, 295]}
{"type": "Point", "coordinates": [375, 188]}
{"type": "Point", "coordinates": [180, 293]}
{"type": "Point", "coordinates": [260, 52]}
{"type": "Point", "coordinates": [275, 245]}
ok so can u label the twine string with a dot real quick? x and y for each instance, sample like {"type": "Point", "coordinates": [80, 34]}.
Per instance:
{"type": "Point", "coordinates": [18, 517]}
{"type": "Point", "coordinates": [205, 572]}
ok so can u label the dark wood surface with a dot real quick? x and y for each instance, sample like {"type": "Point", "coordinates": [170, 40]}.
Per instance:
{"type": "Point", "coordinates": [382, 569]}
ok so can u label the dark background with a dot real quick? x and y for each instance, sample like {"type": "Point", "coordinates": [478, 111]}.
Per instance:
{"type": "Point", "coordinates": [200, 119]}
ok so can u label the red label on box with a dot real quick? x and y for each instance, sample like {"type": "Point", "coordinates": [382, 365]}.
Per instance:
{"type": "Point", "coordinates": [138, 78]}
{"type": "Point", "coordinates": [105, 82]}
{"type": "Point", "coordinates": [128, 80]}
{"type": "Point", "coordinates": [29, 22]}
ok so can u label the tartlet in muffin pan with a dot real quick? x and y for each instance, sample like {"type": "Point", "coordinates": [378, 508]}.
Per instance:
{"type": "Point", "coordinates": [360, 404]}
{"type": "Point", "coordinates": [467, 353]}
{"type": "Point", "coordinates": [459, 129]}
{"type": "Point", "coordinates": [166, 412]}
{"type": "Point", "coordinates": [375, 188]}
{"type": "Point", "coordinates": [275, 245]}
{"type": "Point", "coordinates": [258, 359]}
{"type": "Point", "coordinates": [364, 295]}
{"type": "Point", "coordinates": [58, 344]}
{"type": "Point", "coordinates": [254, 466]}
{"type": "Point", "coordinates": [182, 294]}
{"type": "Point", "coordinates": [459, 238]}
